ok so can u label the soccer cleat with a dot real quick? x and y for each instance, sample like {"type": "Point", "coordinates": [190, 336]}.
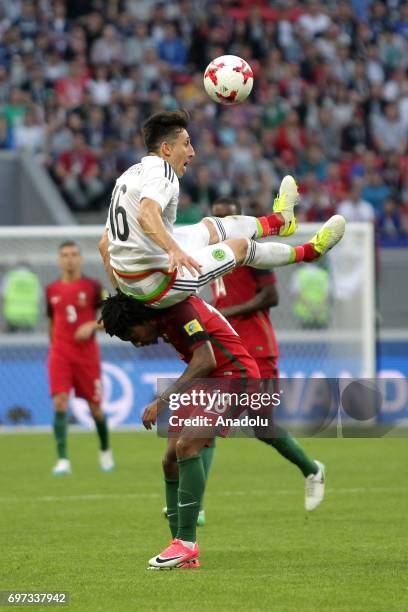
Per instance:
{"type": "Point", "coordinates": [164, 510]}
{"type": "Point", "coordinates": [330, 234]}
{"type": "Point", "coordinates": [174, 555]}
{"type": "Point", "coordinates": [62, 467]}
{"type": "Point", "coordinates": [201, 518]}
{"type": "Point", "coordinates": [284, 203]}
{"type": "Point", "coordinates": [193, 564]}
{"type": "Point", "coordinates": [106, 461]}
{"type": "Point", "coordinates": [314, 488]}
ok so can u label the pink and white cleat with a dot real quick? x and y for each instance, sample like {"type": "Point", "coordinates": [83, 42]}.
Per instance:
{"type": "Point", "coordinates": [193, 564]}
{"type": "Point", "coordinates": [174, 555]}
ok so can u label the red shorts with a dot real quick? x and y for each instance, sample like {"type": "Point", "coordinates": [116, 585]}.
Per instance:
{"type": "Point", "coordinates": [74, 372]}
{"type": "Point", "coordinates": [268, 367]}
{"type": "Point", "coordinates": [202, 418]}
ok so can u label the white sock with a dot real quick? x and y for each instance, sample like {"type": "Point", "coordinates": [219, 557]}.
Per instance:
{"type": "Point", "coordinates": [264, 255]}
{"type": "Point", "coordinates": [239, 226]}
{"type": "Point", "coordinates": [189, 545]}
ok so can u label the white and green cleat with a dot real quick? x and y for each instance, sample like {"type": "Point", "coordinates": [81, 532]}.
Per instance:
{"type": "Point", "coordinates": [62, 467]}
{"type": "Point", "coordinates": [330, 234]}
{"type": "Point", "coordinates": [284, 204]}
{"type": "Point", "coordinates": [314, 488]}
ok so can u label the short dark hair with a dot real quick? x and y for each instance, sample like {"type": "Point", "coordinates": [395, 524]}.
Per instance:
{"type": "Point", "coordinates": [229, 201]}
{"type": "Point", "coordinates": [163, 125]}
{"type": "Point", "coordinates": [120, 312]}
{"type": "Point", "coordinates": [69, 243]}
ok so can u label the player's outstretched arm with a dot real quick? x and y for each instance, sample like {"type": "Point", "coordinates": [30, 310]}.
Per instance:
{"type": "Point", "coordinates": [152, 224]}
{"type": "Point", "coordinates": [201, 365]}
{"type": "Point", "coordinates": [103, 249]}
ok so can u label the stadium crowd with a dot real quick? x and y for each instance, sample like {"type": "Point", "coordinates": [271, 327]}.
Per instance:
{"type": "Point", "coordinates": [329, 105]}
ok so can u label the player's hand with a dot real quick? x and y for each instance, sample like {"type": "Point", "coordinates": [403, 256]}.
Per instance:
{"type": "Point", "coordinates": [180, 260]}
{"type": "Point", "coordinates": [85, 331]}
{"type": "Point", "coordinates": [149, 417]}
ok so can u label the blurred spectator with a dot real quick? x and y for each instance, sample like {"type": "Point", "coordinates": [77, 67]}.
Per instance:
{"type": "Point", "coordinates": [315, 20]}
{"type": "Point", "coordinates": [30, 136]}
{"type": "Point", "coordinates": [375, 191]}
{"type": "Point", "coordinates": [171, 48]}
{"type": "Point", "coordinates": [108, 47]}
{"type": "Point", "coordinates": [78, 173]}
{"type": "Point", "coordinates": [354, 208]}
{"type": "Point", "coordinates": [202, 191]}
{"type": "Point", "coordinates": [70, 88]}
{"type": "Point", "coordinates": [15, 110]}
{"type": "Point", "coordinates": [389, 131]}
{"type": "Point", "coordinates": [390, 225]}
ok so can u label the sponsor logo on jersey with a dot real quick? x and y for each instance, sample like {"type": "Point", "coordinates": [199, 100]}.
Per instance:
{"type": "Point", "coordinates": [192, 327]}
{"type": "Point", "coordinates": [218, 254]}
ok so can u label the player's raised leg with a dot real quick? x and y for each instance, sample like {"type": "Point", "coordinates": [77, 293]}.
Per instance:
{"type": "Point", "coordinates": [212, 230]}
{"type": "Point", "coordinates": [63, 465]}
{"type": "Point", "coordinates": [270, 254]}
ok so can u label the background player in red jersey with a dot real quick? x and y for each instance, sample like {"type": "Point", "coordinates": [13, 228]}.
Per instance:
{"type": "Point", "coordinates": [213, 350]}
{"type": "Point", "coordinates": [74, 359]}
{"type": "Point", "coordinates": [244, 297]}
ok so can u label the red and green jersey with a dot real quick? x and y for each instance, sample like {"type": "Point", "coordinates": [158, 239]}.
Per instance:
{"type": "Point", "coordinates": [69, 305]}
{"type": "Point", "coordinates": [254, 329]}
{"type": "Point", "coordinates": [191, 323]}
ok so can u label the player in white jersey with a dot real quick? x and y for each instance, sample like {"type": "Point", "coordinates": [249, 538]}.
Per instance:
{"type": "Point", "coordinates": [150, 260]}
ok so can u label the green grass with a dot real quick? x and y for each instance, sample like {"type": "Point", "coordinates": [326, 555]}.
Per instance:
{"type": "Point", "coordinates": [92, 533]}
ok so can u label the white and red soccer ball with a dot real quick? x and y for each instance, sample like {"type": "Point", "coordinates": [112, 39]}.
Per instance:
{"type": "Point", "coordinates": [228, 79]}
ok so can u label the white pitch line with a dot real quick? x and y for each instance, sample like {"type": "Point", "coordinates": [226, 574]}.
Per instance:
{"type": "Point", "coordinates": [264, 492]}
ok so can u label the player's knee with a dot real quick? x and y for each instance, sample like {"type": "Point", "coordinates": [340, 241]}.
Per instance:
{"type": "Point", "coordinates": [170, 467]}
{"type": "Point", "coordinates": [239, 246]}
{"type": "Point", "coordinates": [96, 411]}
{"type": "Point", "coordinates": [60, 402]}
{"type": "Point", "coordinates": [214, 237]}
{"type": "Point", "coordinates": [187, 447]}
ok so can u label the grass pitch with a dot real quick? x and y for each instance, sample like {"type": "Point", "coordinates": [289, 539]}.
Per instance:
{"type": "Point", "coordinates": [91, 533]}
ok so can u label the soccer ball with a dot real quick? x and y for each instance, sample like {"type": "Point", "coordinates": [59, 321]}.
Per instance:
{"type": "Point", "coordinates": [228, 79]}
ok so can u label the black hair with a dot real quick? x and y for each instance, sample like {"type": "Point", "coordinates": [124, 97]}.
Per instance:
{"type": "Point", "coordinates": [120, 312]}
{"type": "Point", "coordinates": [69, 243]}
{"type": "Point", "coordinates": [162, 126]}
{"type": "Point", "coordinates": [229, 201]}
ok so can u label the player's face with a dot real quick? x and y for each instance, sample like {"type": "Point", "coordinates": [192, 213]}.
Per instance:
{"type": "Point", "coordinates": [181, 153]}
{"type": "Point", "coordinates": [143, 335]}
{"type": "Point", "coordinates": [223, 210]}
{"type": "Point", "coordinates": [70, 259]}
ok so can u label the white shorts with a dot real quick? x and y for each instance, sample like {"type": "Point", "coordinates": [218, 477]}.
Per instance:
{"type": "Point", "coordinates": [158, 288]}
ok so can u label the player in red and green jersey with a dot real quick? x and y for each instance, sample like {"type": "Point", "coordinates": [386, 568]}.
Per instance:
{"type": "Point", "coordinates": [244, 297]}
{"type": "Point", "coordinates": [212, 350]}
{"type": "Point", "coordinates": [74, 359]}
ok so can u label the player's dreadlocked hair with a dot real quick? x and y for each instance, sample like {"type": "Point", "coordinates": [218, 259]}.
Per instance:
{"type": "Point", "coordinates": [163, 126]}
{"type": "Point", "coordinates": [120, 312]}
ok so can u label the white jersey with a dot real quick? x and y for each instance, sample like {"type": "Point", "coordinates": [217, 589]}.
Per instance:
{"type": "Point", "coordinates": [129, 248]}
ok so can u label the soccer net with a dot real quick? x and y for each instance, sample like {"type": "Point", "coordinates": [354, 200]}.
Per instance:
{"type": "Point", "coordinates": [324, 324]}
